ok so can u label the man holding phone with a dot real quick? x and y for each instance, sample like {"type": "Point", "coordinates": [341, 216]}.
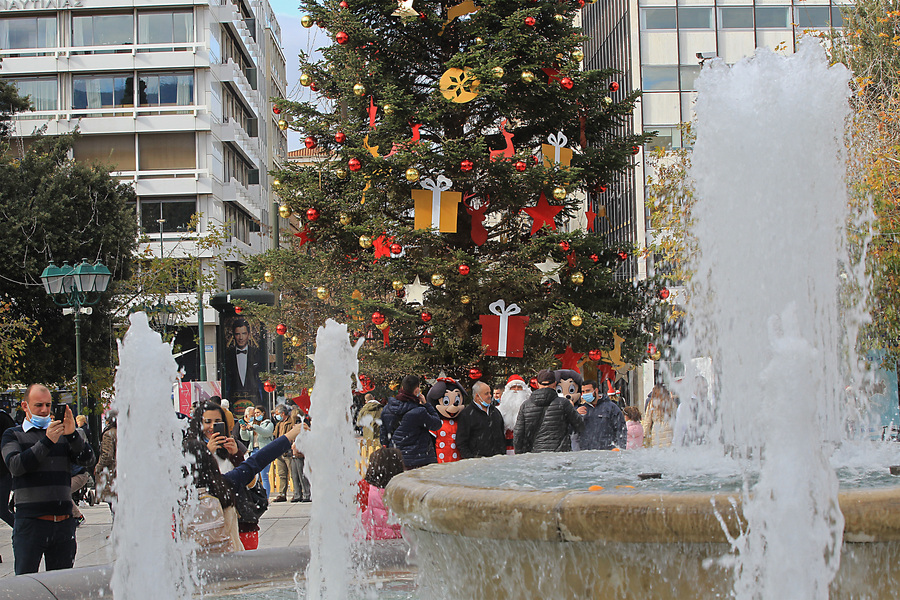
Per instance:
{"type": "Point", "coordinates": [40, 454]}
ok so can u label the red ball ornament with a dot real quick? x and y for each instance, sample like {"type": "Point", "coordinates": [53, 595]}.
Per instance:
{"type": "Point", "coordinates": [313, 87]}
{"type": "Point", "coordinates": [651, 348]}
{"type": "Point", "coordinates": [354, 165]}
{"type": "Point", "coordinates": [377, 318]}
{"type": "Point", "coordinates": [635, 149]}
{"type": "Point", "coordinates": [422, 16]}
{"type": "Point", "coordinates": [564, 246]}
{"type": "Point", "coordinates": [276, 110]}
{"type": "Point", "coordinates": [401, 293]}
{"type": "Point", "coordinates": [521, 166]}
{"type": "Point", "coordinates": [238, 310]}
{"type": "Point", "coordinates": [396, 248]}
{"type": "Point", "coordinates": [580, 3]}
{"type": "Point", "coordinates": [663, 294]}
{"type": "Point", "coordinates": [281, 329]}
{"type": "Point", "coordinates": [312, 214]}
{"type": "Point", "coordinates": [614, 86]}
{"type": "Point", "coordinates": [269, 386]}
{"type": "Point", "coordinates": [344, 4]}
{"type": "Point", "coordinates": [567, 83]}
{"type": "Point", "coordinates": [603, 188]}
{"type": "Point", "coordinates": [426, 316]}
{"type": "Point", "coordinates": [530, 21]}
{"type": "Point", "coordinates": [595, 355]}
{"type": "Point", "coordinates": [595, 258]}
{"type": "Point", "coordinates": [533, 382]}
{"type": "Point", "coordinates": [622, 255]}
{"type": "Point", "coordinates": [310, 142]}
{"type": "Point", "coordinates": [340, 137]}
{"type": "Point", "coordinates": [341, 37]}
{"type": "Point", "coordinates": [475, 373]}
{"type": "Point", "coordinates": [463, 269]}
{"type": "Point", "coordinates": [466, 165]}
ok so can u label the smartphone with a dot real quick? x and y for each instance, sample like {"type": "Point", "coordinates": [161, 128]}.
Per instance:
{"type": "Point", "coordinates": [59, 412]}
{"type": "Point", "coordinates": [220, 429]}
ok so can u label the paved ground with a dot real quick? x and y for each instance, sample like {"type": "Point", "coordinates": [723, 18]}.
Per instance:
{"type": "Point", "coordinates": [284, 524]}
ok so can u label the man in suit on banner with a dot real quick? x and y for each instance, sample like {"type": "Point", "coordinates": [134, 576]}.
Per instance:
{"type": "Point", "coordinates": [243, 362]}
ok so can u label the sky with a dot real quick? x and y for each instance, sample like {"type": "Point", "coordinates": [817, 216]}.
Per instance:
{"type": "Point", "coordinates": [295, 37]}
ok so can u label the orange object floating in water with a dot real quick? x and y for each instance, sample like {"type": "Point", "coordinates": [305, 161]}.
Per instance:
{"type": "Point", "coordinates": [618, 487]}
{"type": "Point", "coordinates": [595, 488]}
{"type": "Point", "coordinates": [616, 449]}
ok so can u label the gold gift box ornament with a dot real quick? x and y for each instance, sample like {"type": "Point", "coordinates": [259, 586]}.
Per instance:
{"type": "Point", "coordinates": [436, 206]}
{"type": "Point", "coordinates": [555, 152]}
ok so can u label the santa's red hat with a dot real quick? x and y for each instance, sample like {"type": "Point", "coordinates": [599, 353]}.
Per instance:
{"type": "Point", "coordinates": [516, 378]}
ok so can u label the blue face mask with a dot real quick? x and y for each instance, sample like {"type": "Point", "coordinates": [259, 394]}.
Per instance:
{"type": "Point", "coordinates": [486, 403]}
{"type": "Point", "coordinates": [40, 422]}
{"type": "Point", "coordinates": [259, 417]}
{"type": "Point", "coordinates": [279, 418]}
{"type": "Point", "coordinates": [587, 397]}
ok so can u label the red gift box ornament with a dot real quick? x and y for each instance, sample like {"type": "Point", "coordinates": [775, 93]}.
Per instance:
{"type": "Point", "coordinates": [503, 332]}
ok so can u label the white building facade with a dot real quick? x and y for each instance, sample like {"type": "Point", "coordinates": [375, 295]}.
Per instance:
{"type": "Point", "coordinates": [175, 96]}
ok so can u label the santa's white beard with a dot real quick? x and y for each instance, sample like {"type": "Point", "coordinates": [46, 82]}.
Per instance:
{"type": "Point", "coordinates": [510, 403]}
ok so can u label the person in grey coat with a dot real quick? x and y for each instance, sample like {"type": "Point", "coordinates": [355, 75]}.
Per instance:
{"type": "Point", "coordinates": [546, 420]}
{"type": "Point", "coordinates": [604, 423]}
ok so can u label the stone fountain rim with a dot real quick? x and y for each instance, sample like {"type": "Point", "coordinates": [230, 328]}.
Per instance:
{"type": "Point", "coordinates": [423, 501]}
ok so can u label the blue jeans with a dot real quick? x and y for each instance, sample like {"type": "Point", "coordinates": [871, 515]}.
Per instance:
{"type": "Point", "coordinates": [34, 538]}
{"type": "Point", "coordinates": [265, 475]}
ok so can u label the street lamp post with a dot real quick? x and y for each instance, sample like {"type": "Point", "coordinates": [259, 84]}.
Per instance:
{"type": "Point", "coordinates": [76, 289]}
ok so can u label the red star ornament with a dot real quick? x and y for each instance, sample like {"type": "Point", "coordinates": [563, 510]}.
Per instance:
{"type": "Point", "coordinates": [542, 214]}
{"type": "Point", "coordinates": [382, 246]}
{"type": "Point", "coordinates": [304, 235]}
{"type": "Point", "coordinates": [570, 358]}
{"type": "Point", "coordinates": [591, 215]}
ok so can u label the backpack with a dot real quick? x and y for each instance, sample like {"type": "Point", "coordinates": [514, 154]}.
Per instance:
{"type": "Point", "coordinates": [207, 525]}
{"type": "Point", "coordinates": [251, 502]}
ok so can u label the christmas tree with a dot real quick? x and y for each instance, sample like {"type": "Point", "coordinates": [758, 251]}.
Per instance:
{"type": "Point", "coordinates": [457, 145]}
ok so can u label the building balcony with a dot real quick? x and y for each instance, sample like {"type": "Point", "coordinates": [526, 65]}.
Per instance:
{"type": "Point", "coordinates": [176, 182]}
{"type": "Point", "coordinates": [104, 58]}
{"type": "Point", "coordinates": [114, 120]}
{"type": "Point", "coordinates": [235, 191]}
{"type": "Point", "coordinates": [230, 72]}
{"type": "Point", "coordinates": [229, 130]}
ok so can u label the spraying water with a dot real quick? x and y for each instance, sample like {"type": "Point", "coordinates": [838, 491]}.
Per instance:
{"type": "Point", "coordinates": [769, 166]}
{"type": "Point", "coordinates": [149, 563]}
{"type": "Point", "coordinates": [330, 453]}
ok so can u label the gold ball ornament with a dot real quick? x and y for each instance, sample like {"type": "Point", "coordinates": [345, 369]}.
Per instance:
{"type": "Point", "coordinates": [388, 109]}
{"type": "Point", "coordinates": [576, 320]}
{"type": "Point", "coordinates": [607, 100]}
{"type": "Point", "coordinates": [527, 76]}
{"type": "Point", "coordinates": [306, 21]}
{"type": "Point", "coordinates": [479, 40]}
{"type": "Point", "coordinates": [437, 280]}
{"type": "Point", "coordinates": [276, 182]}
{"type": "Point", "coordinates": [345, 219]}
{"type": "Point", "coordinates": [359, 89]}
{"type": "Point", "coordinates": [340, 173]}
{"type": "Point", "coordinates": [577, 277]}
{"type": "Point", "coordinates": [382, 326]}
{"type": "Point", "coordinates": [498, 72]}
{"type": "Point", "coordinates": [459, 85]}
{"type": "Point", "coordinates": [282, 124]}
{"type": "Point", "coordinates": [284, 211]}
{"type": "Point", "coordinates": [268, 277]}
{"type": "Point", "coordinates": [559, 18]}
{"type": "Point", "coordinates": [397, 285]}
{"type": "Point", "coordinates": [656, 355]}
{"type": "Point", "coordinates": [465, 299]}
{"type": "Point", "coordinates": [578, 54]}
{"type": "Point", "coordinates": [305, 79]}
{"type": "Point", "coordinates": [321, 293]}
{"type": "Point", "coordinates": [559, 193]}
{"type": "Point", "coordinates": [295, 341]}
{"type": "Point", "coordinates": [365, 241]}
{"type": "Point", "coordinates": [412, 174]}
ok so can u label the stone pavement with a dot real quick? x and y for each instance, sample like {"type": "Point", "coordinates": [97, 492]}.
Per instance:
{"type": "Point", "coordinates": [284, 524]}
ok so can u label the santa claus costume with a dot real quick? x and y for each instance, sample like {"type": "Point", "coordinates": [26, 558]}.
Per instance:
{"type": "Point", "coordinates": [514, 395]}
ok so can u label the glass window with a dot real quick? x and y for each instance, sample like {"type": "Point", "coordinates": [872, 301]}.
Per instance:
{"type": "Point", "coordinates": [659, 18]}
{"type": "Point", "coordinates": [114, 151]}
{"type": "Point", "coordinates": [812, 16]}
{"type": "Point", "coordinates": [837, 17]}
{"type": "Point", "coordinates": [659, 78]}
{"type": "Point", "coordinates": [664, 137]}
{"type": "Point", "coordinates": [165, 27]}
{"type": "Point", "coordinates": [167, 151]}
{"type": "Point", "coordinates": [167, 89]}
{"type": "Point", "coordinates": [734, 17]}
{"type": "Point", "coordinates": [28, 32]}
{"type": "Point", "coordinates": [176, 214]}
{"type": "Point", "coordinates": [689, 75]}
{"type": "Point", "coordinates": [102, 91]}
{"type": "Point", "coordinates": [102, 30]}
{"type": "Point", "coordinates": [695, 18]}
{"type": "Point", "coordinates": [770, 17]}
{"type": "Point", "coordinates": [42, 91]}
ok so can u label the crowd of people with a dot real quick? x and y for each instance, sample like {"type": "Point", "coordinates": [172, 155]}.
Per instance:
{"type": "Point", "coordinates": [47, 456]}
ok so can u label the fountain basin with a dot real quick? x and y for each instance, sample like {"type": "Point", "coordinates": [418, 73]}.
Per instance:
{"type": "Point", "coordinates": [632, 541]}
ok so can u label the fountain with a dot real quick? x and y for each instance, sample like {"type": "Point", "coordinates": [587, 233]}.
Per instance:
{"type": "Point", "coordinates": [757, 512]}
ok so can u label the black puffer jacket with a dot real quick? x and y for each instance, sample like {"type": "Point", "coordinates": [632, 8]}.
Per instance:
{"type": "Point", "coordinates": [412, 423]}
{"type": "Point", "coordinates": [545, 422]}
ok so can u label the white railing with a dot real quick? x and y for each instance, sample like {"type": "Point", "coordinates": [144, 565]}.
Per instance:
{"type": "Point", "coordinates": [133, 49]}
{"type": "Point", "coordinates": [194, 174]}
{"type": "Point", "coordinates": [124, 111]}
